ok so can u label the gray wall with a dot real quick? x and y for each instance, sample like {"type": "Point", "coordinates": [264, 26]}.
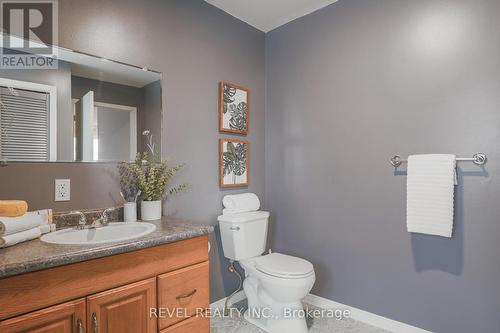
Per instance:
{"type": "Point", "coordinates": [106, 92]}
{"type": "Point", "coordinates": [195, 46]}
{"type": "Point", "coordinates": [150, 115]}
{"type": "Point", "coordinates": [93, 185]}
{"type": "Point", "coordinates": [348, 87]}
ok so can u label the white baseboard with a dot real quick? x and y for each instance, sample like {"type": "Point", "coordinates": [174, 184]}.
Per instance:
{"type": "Point", "coordinates": [356, 314]}
{"type": "Point", "coordinates": [364, 316]}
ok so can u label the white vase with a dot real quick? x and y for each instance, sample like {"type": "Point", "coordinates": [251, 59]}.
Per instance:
{"type": "Point", "coordinates": [130, 212]}
{"type": "Point", "coordinates": [151, 210]}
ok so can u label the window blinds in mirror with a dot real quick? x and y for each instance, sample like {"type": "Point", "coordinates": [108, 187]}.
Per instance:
{"type": "Point", "coordinates": [24, 125]}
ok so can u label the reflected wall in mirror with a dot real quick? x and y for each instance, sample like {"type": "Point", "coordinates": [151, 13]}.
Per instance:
{"type": "Point", "coordinates": [89, 109]}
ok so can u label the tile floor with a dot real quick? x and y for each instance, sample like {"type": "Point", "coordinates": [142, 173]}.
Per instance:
{"type": "Point", "coordinates": [238, 324]}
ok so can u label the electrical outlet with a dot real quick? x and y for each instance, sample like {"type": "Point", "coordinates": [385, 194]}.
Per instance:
{"type": "Point", "coordinates": [63, 190]}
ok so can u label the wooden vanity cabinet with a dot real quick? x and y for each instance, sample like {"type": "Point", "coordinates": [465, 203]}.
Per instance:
{"type": "Point", "coordinates": [185, 289]}
{"type": "Point", "coordinates": [115, 294]}
{"type": "Point", "coordinates": [63, 318]}
{"type": "Point", "coordinates": [191, 325]}
{"type": "Point", "coordinates": [123, 309]}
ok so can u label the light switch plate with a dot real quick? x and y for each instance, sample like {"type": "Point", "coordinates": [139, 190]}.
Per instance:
{"type": "Point", "coordinates": [63, 190]}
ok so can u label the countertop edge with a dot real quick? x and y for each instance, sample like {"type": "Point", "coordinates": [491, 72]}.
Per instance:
{"type": "Point", "coordinates": [10, 270]}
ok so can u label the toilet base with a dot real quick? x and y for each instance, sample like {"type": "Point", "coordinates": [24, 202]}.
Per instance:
{"type": "Point", "coordinates": [274, 303]}
{"type": "Point", "coordinates": [288, 325]}
{"type": "Point", "coordinates": [254, 321]}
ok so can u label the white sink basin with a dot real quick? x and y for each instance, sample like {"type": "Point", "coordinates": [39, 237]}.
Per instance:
{"type": "Point", "coordinates": [114, 232]}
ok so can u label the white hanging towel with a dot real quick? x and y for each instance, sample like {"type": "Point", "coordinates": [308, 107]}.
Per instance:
{"type": "Point", "coordinates": [430, 191]}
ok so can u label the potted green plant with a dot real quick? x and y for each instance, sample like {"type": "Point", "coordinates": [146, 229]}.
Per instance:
{"type": "Point", "coordinates": [151, 176]}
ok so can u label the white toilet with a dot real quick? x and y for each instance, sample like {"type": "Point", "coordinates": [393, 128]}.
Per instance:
{"type": "Point", "coordinates": [274, 283]}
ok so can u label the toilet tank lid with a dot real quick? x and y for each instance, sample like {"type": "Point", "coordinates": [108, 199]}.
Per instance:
{"type": "Point", "coordinates": [243, 217]}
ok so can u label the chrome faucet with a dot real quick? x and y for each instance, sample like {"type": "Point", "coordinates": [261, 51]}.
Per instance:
{"type": "Point", "coordinates": [82, 222]}
{"type": "Point", "coordinates": [100, 222]}
{"type": "Point", "coordinates": [104, 216]}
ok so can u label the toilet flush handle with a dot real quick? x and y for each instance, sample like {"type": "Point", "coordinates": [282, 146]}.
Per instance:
{"type": "Point", "coordinates": [234, 228]}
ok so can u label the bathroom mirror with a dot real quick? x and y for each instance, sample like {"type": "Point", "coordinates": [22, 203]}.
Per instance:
{"type": "Point", "coordinates": [85, 109]}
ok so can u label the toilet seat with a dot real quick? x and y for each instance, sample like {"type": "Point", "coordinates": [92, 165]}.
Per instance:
{"type": "Point", "coordinates": [284, 266]}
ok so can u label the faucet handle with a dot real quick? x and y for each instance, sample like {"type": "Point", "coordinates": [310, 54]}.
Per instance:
{"type": "Point", "coordinates": [82, 221]}
{"type": "Point", "coordinates": [104, 215]}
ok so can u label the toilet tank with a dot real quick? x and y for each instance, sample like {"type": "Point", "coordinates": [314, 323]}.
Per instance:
{"type": "Point", "coordinates": [244, 235]}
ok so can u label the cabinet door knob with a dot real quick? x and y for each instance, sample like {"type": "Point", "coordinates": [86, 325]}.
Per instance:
{"type": "Point", "coordinates": [234, 228]}
{"type": "Point", "coordinates": [79, 326]}
{"type": "Point", "coordinates": [94, 322]}
{"type": "Point", "coordinates": [189, 294]}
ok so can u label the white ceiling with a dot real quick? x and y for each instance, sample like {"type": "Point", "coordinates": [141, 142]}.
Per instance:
{"type": "Point", "coordinates": [267, 15]}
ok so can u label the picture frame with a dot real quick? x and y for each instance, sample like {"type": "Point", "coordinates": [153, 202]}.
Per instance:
{"type": "Point", "coordinates": [234, 162]}
{"type": "Point", "coordinates": [234, 108]}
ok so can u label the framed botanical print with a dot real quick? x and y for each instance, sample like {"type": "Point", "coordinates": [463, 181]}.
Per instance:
{"type": "Point", "coordinates": [234, 105]}
{"type": "Point", "coordinates": [234, 162]}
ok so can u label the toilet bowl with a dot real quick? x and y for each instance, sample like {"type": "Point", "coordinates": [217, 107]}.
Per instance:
{"type": "Point", "coordinates": [274, 284]}
{"type": "Point", "coordinates": [285, 278]}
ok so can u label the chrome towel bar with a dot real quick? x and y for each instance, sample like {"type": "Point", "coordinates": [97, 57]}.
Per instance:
{"type": "Point", "coordinates": [477, 159]}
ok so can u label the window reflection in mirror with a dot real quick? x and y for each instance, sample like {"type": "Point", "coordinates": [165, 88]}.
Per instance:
{"type": "Point", "coordinates": [88, 109]}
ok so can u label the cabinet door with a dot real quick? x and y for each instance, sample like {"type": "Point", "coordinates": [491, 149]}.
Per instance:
{"type": "Point", "coordinates": [183, 293]}
{"type": "Point", "coordinates": [63, 318]}
{"type": "Point", "coordinates": [123, 310]}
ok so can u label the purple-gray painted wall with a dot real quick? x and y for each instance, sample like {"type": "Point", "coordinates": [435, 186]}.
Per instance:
{"type": "Point", "coordinates": [348, 87]}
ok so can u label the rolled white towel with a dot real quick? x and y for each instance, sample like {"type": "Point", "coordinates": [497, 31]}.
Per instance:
{"type": "Point", "coordinates": [226, 211]}
{"type": "Point", "coordinates": [13, 225]}
{"type": "Point", "coordinates": [240, 203]}
{"type": "Point", "coordinates": [19, 237]}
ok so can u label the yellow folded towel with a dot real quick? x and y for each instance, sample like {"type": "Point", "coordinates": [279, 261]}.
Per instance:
{"type": "Point", "coordinates": [13, 208]}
